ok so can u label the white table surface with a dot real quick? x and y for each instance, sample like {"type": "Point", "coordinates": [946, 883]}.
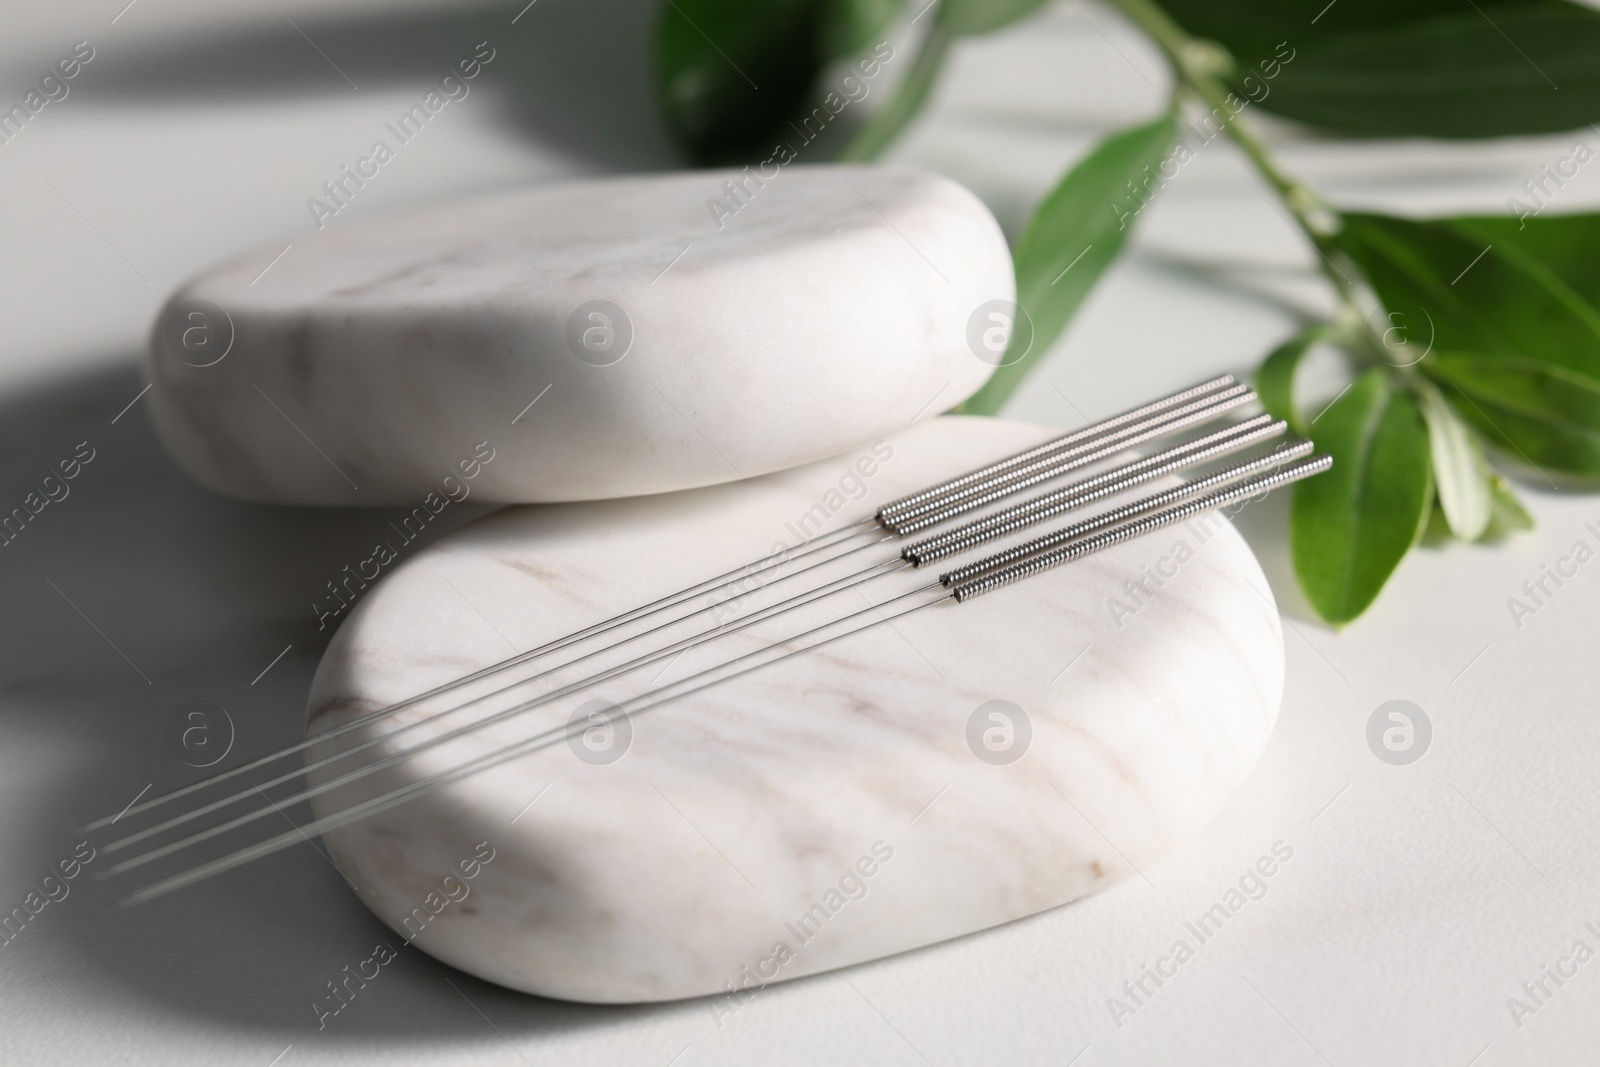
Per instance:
{"type": "Point", "coordinates": [1418, 899]}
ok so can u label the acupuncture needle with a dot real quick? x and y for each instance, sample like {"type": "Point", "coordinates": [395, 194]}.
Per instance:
{"type": "Point", "coordinates": [856, 580]}
{"type": "Point", "coordinates": [1018, 517]}
{"type": "Point", "coordinates": [959, 594]}
{"type": "Point", "coordinates": [1187, 407]}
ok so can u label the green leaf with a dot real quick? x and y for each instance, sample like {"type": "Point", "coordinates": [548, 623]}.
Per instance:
{"type": "Point", "coordinates": [1508, 321]}
{"type": "Point", "coordinates": [731, 74]}
{"type": "Point", "coordinates": [1459, 471]}
{"type": "Point", "coordinates": [854, 25]}
{"type": "Point", "coordinates": [1251, 29]}
{"type": "Point", "coordinates": [1275, 378]}
{"type": "Point", "coordinates": [1492, 71]}
{"type": "Point", "coordinates": [968, 17]}
{"type": "Point", "coordinates": [1350, 527]}
{"type": "Point", "coordinates": [1467, 292]}
{"type": "Point", "coordinates": [1411, 68]}
{"type": "Point", "coordinates": [1541, 415]}
{"type": "Point", "coordinates": [1562, 244]}
{"type": "Point", "coordinates": [1074, 235]}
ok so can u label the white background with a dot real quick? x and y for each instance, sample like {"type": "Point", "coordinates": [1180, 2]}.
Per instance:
{"type": "Point", "coordinates": [1418, 898]}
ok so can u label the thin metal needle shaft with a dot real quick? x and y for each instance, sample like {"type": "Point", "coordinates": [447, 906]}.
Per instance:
{"type": "Point", "coordinates": [483, 763]}
{"type": "Point", "coordinates": [851, 581]}
{"type": "Point", "coordinates": [557, 645]}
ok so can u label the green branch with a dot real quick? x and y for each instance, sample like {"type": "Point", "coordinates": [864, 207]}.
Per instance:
{"type": "Point", "coordinates": [1199, 66]}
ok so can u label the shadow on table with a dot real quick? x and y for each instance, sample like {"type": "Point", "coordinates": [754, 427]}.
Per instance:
{"type": "Point", "coordinates": [134, 592]}
{"type": "Point", "coordinates": [572, 74]}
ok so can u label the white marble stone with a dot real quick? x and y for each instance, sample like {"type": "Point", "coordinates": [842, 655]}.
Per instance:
{"type": "Point", "coordinates": [367, 363]}
{"type": "Point", "coordinates": [736, 811]}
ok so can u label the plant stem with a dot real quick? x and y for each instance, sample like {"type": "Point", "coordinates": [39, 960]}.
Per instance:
{"type": "Point", "coordinates": [1197, 64]}
{"type": "Point", "coordinates": [885, 125]}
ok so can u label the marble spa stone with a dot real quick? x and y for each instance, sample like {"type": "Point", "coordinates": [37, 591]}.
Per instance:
{"type": "Point", "coordinates": [847, 804]}
{"type": "Point", "coordinates": [605, 338]}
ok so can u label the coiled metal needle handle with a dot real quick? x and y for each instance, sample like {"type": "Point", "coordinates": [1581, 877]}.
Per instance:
{"type": "Point", "coordinates": [1061, 461]}
{"type": "Point", "coordinates": [1017, 571]}
{"type": "Point", "coordinates": [1076, 494]}
{"type": "Point", "coordinates": [941, 548]}
{"type": "Point", "coordinates": [1010, 463]}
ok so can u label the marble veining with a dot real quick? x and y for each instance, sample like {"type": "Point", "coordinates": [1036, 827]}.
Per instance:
{"type": "Point", "coordinates": [832, 308]}
{"type": "Point", "coordinates": [694, 861]}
